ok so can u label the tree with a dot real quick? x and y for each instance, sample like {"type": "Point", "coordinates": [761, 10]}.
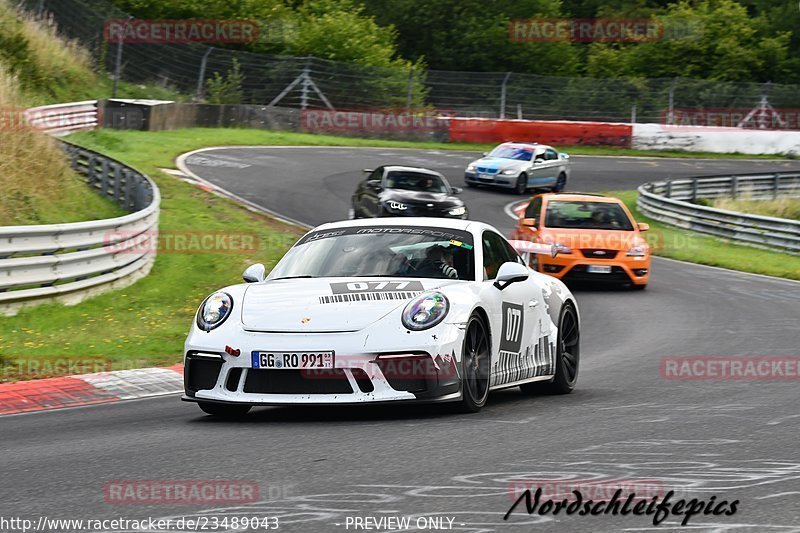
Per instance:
{"type": "Point", "coordinates": [710, 39]}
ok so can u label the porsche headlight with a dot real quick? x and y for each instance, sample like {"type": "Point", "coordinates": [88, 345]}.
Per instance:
{"type": "Point", "coordinates": [215, 309]}
{"type": "Point", "coordinates": [457, 211]}
{"type": "Point", "coordinates": [425, 311]}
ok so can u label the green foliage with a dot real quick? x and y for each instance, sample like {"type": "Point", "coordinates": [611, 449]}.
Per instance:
{"type": "Point", "coordinates": [474, 35]}
{"type": "Point", "coordinates": [731, 40]}
{"type": "Point", "coordinates": [227, 89]}
{"type": "Point", "coordinates": [710, 39]}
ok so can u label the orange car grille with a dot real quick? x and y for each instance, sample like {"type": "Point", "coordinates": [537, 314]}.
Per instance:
{"type": "Point", "coordinates": [599, 253]}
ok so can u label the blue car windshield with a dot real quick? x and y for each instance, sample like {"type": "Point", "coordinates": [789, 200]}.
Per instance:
{"type": "Point", "coordinates": [512, 152]}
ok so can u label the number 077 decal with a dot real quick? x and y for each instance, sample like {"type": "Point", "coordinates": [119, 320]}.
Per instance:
{"type": "Point", "coordinates": [351, 287]}
{"type": "Point", "coordinates": [511, 333]}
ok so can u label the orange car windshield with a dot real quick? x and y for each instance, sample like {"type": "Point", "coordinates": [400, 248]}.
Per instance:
{"type": "Point", "coordinates": [586, 215]}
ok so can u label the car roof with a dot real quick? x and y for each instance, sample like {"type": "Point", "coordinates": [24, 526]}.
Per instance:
{"type": "Point", "coordinates": [421, 170]}
{"type": "Point", "coordinates": [427, 222]}
{"type": "Point", "coordinates": [526, 144]}
{"type": "Point", "coordinates": [582, 197]}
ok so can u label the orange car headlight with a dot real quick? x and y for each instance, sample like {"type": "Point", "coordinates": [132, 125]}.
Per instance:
{"type": "Point", "coordinates": [640, 250]}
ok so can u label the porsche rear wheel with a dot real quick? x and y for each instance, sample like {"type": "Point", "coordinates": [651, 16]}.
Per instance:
{"type": "Point", "coordinates": [522, 184]}
{"type": "Point", "coordinates": [567, 356]}
{"type": "Point", "coordinates": [224, 410]}
{"type": "Point", "coordinates": [475, 360]}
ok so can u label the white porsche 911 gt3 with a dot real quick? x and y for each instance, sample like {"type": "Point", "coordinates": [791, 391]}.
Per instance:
{"type": "Point", "coordinates": [384, 310]}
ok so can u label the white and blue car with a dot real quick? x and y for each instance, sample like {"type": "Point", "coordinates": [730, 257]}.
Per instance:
{"type": "Point", "coordinates": [384, 310]}
{"type": "Point", "coordinates": [520, 166]}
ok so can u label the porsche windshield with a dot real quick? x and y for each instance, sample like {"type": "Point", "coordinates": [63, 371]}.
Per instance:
{"type": "Point", "coordinates": [388, 251]}
{"type": "Point", "coordinates": [517, 153]}
{"type": "Point", "coordinates": [586, 215]}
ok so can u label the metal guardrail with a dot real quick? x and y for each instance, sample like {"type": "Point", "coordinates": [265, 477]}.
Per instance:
{"type": "Point", "coordinates": [61, 119]}
{"type": "Point", "coordinates": [671, 202]}
{"type": "Point", "coordinates": [71, 261]}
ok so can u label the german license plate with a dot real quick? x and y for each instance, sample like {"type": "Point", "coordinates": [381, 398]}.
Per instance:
{"type": "Point", "coordinates": [598, 269]}
{"type": "Point", "coordinates": [292, 360]}
{"type": "Point", "coordinates": [485, 177]}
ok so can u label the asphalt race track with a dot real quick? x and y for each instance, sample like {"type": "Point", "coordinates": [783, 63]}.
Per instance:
{"type": "Point", "coordinates": [735, 440]}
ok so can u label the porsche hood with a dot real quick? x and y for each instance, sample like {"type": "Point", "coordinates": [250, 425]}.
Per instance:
{"type": "Point", "coordinates": [325, 305]}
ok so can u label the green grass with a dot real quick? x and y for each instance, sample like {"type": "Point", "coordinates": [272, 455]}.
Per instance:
{"type": "Point", "coordinates": [780, 208]}
{"type": "Point", "coordinates": [146, 324]}
{"type": "Point", "coordinates": [667, 241]}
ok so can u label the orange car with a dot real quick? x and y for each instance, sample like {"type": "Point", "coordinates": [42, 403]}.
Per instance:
{"type": "Point", "coordinates": [595, 236]}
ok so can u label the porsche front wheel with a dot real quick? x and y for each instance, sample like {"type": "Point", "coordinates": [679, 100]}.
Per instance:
{"type": "Point", "coordinates": [475, 364]}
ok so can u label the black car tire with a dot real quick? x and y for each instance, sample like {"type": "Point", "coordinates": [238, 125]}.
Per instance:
{"type": "Point", "coordinates": [561, 183]}
{"type": "Point", "coordinates": [475, 361]}
{"type": "Point", "coordinates": [567, 356]}
{"type": "Point", "coordinates": [224, 410]}
{"type": "Point", "coordinates": [522, 184]}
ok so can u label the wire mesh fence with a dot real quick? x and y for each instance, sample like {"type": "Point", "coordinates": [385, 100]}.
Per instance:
{"type": "Point", "coordinates": [309, 82]}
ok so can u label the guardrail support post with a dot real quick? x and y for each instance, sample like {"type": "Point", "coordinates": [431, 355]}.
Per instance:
{"type": "Point", "coordinates": [503, 95]}
{"type": "Point", "coordinates": [410, 90]}
{"type": "Point", "coordinates": [668, 191]}
{"type": "Point", "coordinates": [117, 182]}
{"type": "Point", "coordinates": [118, 61]}
{"type": "Point", "coordinates": [776, 187]}
{"type": "Point", "coordinates": [201, 77]}
{"type": "Point", "coordinates": [694, 190]}
{"type": "Point", "coordinates": [734, 187]}
{"type": "Point", "coordinates": [128, 188]}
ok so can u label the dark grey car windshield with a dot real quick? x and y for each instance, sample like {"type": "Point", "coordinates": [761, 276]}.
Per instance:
{"type": "Point", "coordinates": [415, 181]}
{"type": "Point", "coordinates": [389, 251]}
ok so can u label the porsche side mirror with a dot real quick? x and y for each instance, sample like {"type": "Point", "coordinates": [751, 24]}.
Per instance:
{"type": "Point", "coordinates": [367, 170]}
{"type": "Point", "coordinates": [643, 226]}
{"type": "Point", "coordinates": [374, 184]}
{"type": "Point", "coordinates": [530, 222]}
{"type": "Point", "coordinates": [457, 190]}
{"type": "Point", "coordinates": [509, 273]}
{"type": "Point", "coordinates": [485, 154]}
{"type": "Point", "coordinates": [538, 161]}
{"type": "Point", "coordinates": [254, 273]}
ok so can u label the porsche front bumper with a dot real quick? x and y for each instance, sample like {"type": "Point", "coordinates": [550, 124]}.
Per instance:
{"type": "Point", "coordinates": [363, 372]}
